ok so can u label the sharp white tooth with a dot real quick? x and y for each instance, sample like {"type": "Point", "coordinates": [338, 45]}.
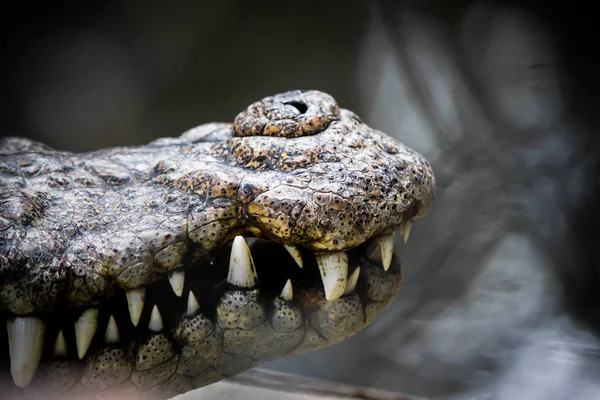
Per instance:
{"type": "Point", "coordinates": [334, 270]}
{"type": "Point", "coordinates": [295, 253]}
{"type": "Point", "coordinates": [112, 332]}
{"type": "Point", "coordinates": [192, 305]}
{"type": "Point", "coordinates": [177, 279]}
{"type": "Point", "coordinates": [288, 292]}
{"type": "Point", "coordinates": [406, 230]}
{"type": "Point", "coordinates": [135, 300]}
{"type": "Point", "coordinates": [156, 322]}
{"type": "Point", "coordinates": [60, 345]}
{"type": "Point", "coordinates": [352, 281]}
{"type": "Point", "coordinates": [25, 345]}
{"type": "Point", "coordinates": [241, 267]}
{"type": "Point", "coordinates": [386, 246]}
{"type": "Point", "coordinates": [85, 327]}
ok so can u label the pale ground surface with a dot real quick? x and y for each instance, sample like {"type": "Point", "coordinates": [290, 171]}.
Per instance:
{"type": "Point", "coordinates": [227, 390]}
{"type": "Point", "coordinates": [265, 384]}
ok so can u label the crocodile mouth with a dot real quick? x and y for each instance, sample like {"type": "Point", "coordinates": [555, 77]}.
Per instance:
{"type": "Point", "coordinates": [123, 272]}
{"type": "Point", "coordinates": [246, 302]}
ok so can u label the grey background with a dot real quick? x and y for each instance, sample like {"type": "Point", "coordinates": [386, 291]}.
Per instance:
{"type": "Point", "coordinates": [499, 298]}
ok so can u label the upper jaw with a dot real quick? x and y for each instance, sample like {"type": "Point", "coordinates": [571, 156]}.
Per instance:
{"type": "Point", "coordinates": [345, 185]}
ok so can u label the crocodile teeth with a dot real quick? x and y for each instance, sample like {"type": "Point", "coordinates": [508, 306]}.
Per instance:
{"type": "Point", "coordinates": [85, 327]}
{"type": "Point", "coordinates": [406, 230]}
{"type": "Point", "coordinates": [60, 345]}
{"type": "Point", "coordinates": [288, 292]}
{"type": "Point", "coordinates": [177, 279]}
{"type": "Point", "coordinates": [135, 300]}
{"type": "Point", "coordinates": [192, 305]}
{"type": "Point", "coordinates": [295, 253]}
{"type": "Point", "coordinates": [334, 270]}
{"type": "Point", "coordinates": [25, 344]}
{"type": "Point", "coordinates": [241, 267]}
{"type": "Point", "coordinates": [352, 281]}
{"type": "Point", "coordinates": [156, 322]}
{"type": "Point", "coordinates": [112, 332]}
{"type": "Point", "coordinates": [386, 246]}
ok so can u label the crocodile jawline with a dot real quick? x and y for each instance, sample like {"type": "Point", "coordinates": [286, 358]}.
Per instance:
{"type": "Point", "coordinates": [127, 270]}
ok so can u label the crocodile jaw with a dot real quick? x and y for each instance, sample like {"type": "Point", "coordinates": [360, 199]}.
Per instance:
{"type": "Point", "coordinates": [120, 297]}
{"type": "Point", "coordinates": [260, 312]}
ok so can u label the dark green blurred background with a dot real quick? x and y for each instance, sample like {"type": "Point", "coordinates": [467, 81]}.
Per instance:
{"type": "Point", "coordinates": [82, 76]}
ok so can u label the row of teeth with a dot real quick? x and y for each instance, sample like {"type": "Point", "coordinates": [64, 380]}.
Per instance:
{"type": "Point", "coordinates": [26, 334]}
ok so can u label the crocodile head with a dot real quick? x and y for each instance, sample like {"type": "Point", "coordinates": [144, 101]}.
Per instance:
{"type": "Point", "coordinates": [166, 267]}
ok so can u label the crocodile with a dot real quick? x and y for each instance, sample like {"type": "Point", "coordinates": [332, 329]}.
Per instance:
{"type": "Point", "coordinates": [148, 271]}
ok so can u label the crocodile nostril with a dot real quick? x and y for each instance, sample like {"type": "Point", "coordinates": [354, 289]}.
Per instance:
{"type": "Point", "coordinates": [301, 107]}
{"type": "Point", "coordinates": [288, 115]}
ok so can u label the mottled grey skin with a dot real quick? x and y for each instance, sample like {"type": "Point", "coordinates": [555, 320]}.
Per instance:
{"type": "Point", "coordinates": [77, 230]}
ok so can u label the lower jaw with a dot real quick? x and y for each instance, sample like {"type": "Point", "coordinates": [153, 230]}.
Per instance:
{"type": "Point", "coordinates": [232, 330]}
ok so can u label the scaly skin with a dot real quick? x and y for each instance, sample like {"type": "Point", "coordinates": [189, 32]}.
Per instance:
{"type": "Point", "coordinates": [78, 230]}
